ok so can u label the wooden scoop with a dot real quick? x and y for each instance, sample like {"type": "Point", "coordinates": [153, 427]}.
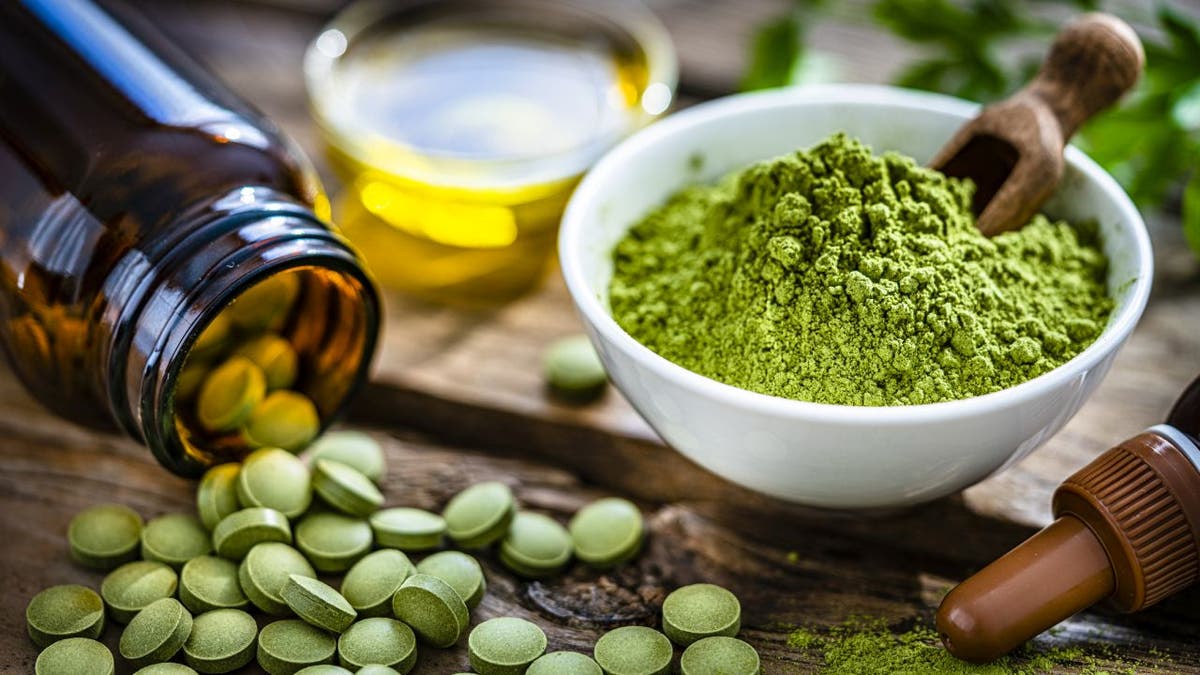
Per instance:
{"type": "Point", "coordinates": [1014, 149]}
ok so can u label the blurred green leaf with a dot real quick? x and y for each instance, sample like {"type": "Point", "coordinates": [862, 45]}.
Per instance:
{"type": "Point", "coordinates": [1185, 109]}
{"type": "Point", "coordinates": [780, 56]}
{"type": "Point", "coordinates": [1151, 142]}
{"type": "Point", "coordinates": [956, 25]}
{"type": "Point", "coordinates": [777, 48]}
{"type": "Point", "coordinates": [963, 38]}
{"type": "Point", "coordinates": [1183, 32]}
{"type": "Point", "coordinates": [928, 74]}
{"type": "Point", "coordinates": [1191, 212]}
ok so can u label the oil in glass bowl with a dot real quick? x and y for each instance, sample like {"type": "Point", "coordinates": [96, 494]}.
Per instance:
{"type": "Point", "coordinates": [460, 128]}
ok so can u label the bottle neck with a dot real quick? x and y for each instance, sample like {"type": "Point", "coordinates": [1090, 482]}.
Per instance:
{"type": "Point", "coordinates": [1185, 414]}
{"type": "Point", "coordinates": [164, 298]}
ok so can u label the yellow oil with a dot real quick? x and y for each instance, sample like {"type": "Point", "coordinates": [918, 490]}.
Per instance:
{"type": "Point", "coordinates": [459, 145]}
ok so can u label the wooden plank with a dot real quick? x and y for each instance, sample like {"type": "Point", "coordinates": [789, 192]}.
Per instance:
{"type": "Point", "coordinates": [789, 566]}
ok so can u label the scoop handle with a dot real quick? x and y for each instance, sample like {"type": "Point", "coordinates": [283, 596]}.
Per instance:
{"type": "Point", "coordinates": [1094, 60]}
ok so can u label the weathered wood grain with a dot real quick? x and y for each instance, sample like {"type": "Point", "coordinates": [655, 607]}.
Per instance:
{"type": "Point", "coordinates": [790, 566]}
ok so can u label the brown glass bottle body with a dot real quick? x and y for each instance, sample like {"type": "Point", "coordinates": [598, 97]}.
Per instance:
{"type": "Point", "coordinates": [138, 197]}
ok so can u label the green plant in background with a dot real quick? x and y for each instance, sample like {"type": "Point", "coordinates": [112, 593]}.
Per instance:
{"type": "Point", "coordinates": [965, 42]}
{"type": "Point", "coordinates": [1151, 143]}
{"type": "Point", "coordinates": [778, 55]}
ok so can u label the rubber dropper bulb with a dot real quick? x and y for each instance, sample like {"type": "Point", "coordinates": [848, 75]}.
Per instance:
{"type": "Point", "coordinates": [1127, 528]}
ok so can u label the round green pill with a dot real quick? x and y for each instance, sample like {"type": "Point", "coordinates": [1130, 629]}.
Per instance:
{"type": "Point", "coordinates": [345, 489]}
{"type": "Point", "coordinates": [156, 633]}
{"type": "Point", "coordinates": [275, 357]}
{"type": "Point", "coordinates": [275, 479]}
{"type": "Point", "coordinates": [536, 546]}
{"type": "Point", "coordinates": [607, 532]}
{"type": "Point", "coordinates": [166, 669]}
{"type": "Point", "coordinates": [188, 382]}
{"type": "Point", "coordinates": [408, 529]}
{"type": "Point", "coordinates": [505, 646]}
{"type": "Point", "coordinates": [221, 641]}
{"type": "Point", "coordinates": [264, 572]}
{"type": "Point", "coordinates": [379, 641]}
{"type": "Point", "coordinates": [352, 448]}
{"type": "Point", "coordinates": [634, 650]}
{"type": "Point", "coordinates": [75, 656]}
{"type": "Point", "coordinates": [698, 611]}
{"type": "Point", "coordinates": [318, 603]}
{"type": "Point", "coordinates": [284, 419]}
{"type": "Point", "coordinates": [264, 305]}
{"type": "Point", "coordinates": [564, 663]}
{"type": "Point", "coordinates": [324, 670]}
{"type": "Point", "coordinates": [333, 542]}
{"type": "Point", "coordinates": [174, 539]}
{"type": "Point", "coordinates": [432, 608]}
{"type": "Point", "coordinates": [240, 531]}
{"type": "Point", "coordinates": [212, 339]}
{"type": "Point", "coordinates": [461, 571]}
{"type": "Point", "coordinates": [375, 669]}
{"type": "Point", "coordinates": [62, 612]}
{"type": "Point", "coordinates": [105, 536]}
{"type": "Point", "coordinates": [287, 646]}
{"type": "Point", "coordinates": [480, 515]}
{"type": "Point", "coordinates": [720, 654]}
{"type": "Point", "coordinates": [131, 587]}
{"type": "Point", "coordinates": [207, 583]}
{"type": "Point", "coordinates": [574, 370]}
{"type": "Point", "coordinates": [216, 496]}
{"type": "Point", "coordinates": [371, 583]}
{"type": "Point", "coordinates": [229, 394]}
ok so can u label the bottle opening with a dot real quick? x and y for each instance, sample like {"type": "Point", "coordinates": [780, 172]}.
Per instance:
{"type": "Point", "coordinates": [274, 366]}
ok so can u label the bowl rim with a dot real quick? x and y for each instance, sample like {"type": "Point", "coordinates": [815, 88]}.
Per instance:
{"type": "Point", "coordinates": [589, 191]}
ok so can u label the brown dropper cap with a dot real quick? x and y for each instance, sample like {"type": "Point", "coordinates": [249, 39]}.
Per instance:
{"type": "Point", "coordinates": [1128, 527]}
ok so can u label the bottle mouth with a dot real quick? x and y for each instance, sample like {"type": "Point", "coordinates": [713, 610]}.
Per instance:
{"type": "Point", "coordinates": [329, 318]}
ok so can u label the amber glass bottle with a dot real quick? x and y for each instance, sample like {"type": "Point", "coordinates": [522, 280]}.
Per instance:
{"type": "Point", "coordinates": [138, 198]}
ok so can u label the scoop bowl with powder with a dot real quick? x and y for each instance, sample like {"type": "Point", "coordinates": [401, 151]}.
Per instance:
{"type": "Point", "coordinates": [790, 300]}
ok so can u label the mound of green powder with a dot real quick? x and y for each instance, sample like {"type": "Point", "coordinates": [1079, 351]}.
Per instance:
{"type": "Point", "coordinates": [835, 276]}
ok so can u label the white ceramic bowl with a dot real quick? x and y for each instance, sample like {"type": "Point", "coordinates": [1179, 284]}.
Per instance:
{"type": "Point", "coordinates": [819, 454]}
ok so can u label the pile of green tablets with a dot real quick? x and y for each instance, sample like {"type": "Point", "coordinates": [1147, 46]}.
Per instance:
{"type": "Point", "coordinates": [603, 534]}
{"type": "Point", "coordinates": [184, 586]}
{"type": "Point", "coordinates": [702, 618]}
{"type": "Point", "coordinates": [238, 376]}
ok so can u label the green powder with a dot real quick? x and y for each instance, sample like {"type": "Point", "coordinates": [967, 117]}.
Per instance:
{"type": "Point", "coordinates": [835, 276]}
{"type": "Point", "coordinates": [868, 647]}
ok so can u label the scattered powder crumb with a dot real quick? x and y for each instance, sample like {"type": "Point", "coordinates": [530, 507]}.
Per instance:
{"type": "Point", "coordinates": [864, 646]}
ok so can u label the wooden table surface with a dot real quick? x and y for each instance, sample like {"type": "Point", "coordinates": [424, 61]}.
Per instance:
{"type": "Point", "coordinates": [457, 398]}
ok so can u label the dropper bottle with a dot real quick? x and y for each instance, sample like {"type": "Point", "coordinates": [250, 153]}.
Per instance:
{"type": "Point", "coordinates": [1127, 528]}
